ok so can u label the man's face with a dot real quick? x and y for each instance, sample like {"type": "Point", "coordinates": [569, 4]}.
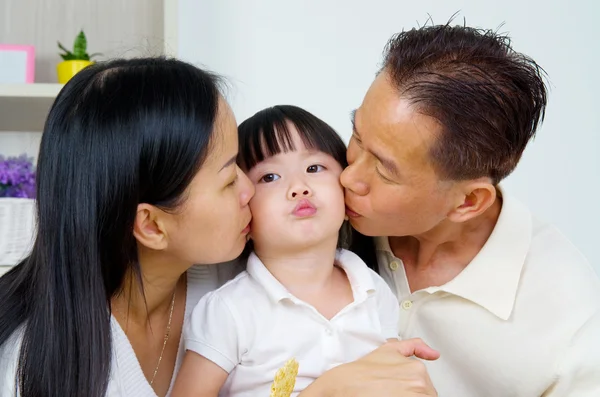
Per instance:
{"type": "Point", "coordinates": [391, 186]}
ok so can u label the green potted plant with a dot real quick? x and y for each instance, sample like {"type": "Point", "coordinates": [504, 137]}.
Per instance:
{"type": "Point", "coordinates": [74, 61]}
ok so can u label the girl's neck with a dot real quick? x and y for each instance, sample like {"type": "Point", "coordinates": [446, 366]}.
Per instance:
{"type": "Point", "coordinates": [304, 272]}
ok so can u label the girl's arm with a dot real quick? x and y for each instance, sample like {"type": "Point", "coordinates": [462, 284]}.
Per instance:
{"type": "Point", "coordinates": [198, 377]}
{"type": "Point", "coordinates": [211, 340]}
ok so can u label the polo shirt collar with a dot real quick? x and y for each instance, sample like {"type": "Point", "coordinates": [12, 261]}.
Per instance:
{"type": "Point", "coordinates": [491, 280]}
{"type": "Point", "coordinates": [359, 276]}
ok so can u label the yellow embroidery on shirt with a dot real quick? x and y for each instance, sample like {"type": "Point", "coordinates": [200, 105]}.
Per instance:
{"type": "Point", "coordinates": [285, 379]}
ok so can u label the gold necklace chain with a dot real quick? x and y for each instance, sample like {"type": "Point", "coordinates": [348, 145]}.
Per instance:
{"type": "Point", "coordinates": [167, 333]}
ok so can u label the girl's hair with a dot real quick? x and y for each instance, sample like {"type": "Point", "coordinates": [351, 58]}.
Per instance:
{"type": "Point", "coordinates": [119, 134]}
{"type": "Point", "coordinates": [267, 133]}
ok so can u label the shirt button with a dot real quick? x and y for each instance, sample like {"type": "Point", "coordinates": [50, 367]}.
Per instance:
{"type": "Point", "coordinates": [328, 331]}
{"type": "Point", "coordinates": [406, 305]}
{"type": "Point", "coordinates": [394, 266]}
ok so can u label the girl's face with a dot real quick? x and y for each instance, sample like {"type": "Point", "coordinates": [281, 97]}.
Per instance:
{"type": "Point", "coordinates": [299, 201]}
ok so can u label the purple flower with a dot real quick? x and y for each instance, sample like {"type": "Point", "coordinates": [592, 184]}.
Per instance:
{"type": "Point", "coordinates": [17, 177]}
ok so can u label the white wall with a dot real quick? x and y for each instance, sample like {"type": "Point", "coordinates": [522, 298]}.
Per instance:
{"type": "Point", "coordinates": [18, 143]}
{"type": "Point", "coordinates": [322, 55]}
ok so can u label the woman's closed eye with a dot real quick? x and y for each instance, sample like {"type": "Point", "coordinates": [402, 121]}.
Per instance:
{"type": "Point", "coordinates": [315, 168]}
{"type": "Point", "coordinates": [268, 178]}
{"type": "Point", "coordinates": [233, 181]}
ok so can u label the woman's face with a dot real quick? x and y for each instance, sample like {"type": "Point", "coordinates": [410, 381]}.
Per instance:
{"type": "Point", "coordinates": [212, 224]}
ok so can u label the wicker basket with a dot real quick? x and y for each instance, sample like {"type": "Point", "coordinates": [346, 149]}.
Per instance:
{"type": "Point", "coordinates": [17, 228]}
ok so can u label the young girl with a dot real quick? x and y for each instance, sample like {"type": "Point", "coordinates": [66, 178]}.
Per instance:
{"type": "Point", "coordinates": [303, 300]}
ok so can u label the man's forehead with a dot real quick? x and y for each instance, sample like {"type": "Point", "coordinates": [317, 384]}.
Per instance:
{"type": "Point", "coordinates": [395, 127]}
{"type": "Point", "coordinates": [395, 118]}
{"type": "Point", "coordinates": [382, 103]}
{"type": "Point", "coordinates": [382, 88]}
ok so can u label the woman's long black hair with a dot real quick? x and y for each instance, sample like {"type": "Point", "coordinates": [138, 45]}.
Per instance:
{"type": "Point", "coordinates": [119, 134]}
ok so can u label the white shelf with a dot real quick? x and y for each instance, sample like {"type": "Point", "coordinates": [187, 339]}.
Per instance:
{"type": "Point", "coordinates": [24, 107]}
{"type": "Point", "coordinates": [29, 90]}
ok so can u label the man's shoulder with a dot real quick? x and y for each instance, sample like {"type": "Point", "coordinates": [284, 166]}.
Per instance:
{"type": "Point", "coordinates": [547, 234]}
{"type": "Point", "coordinates": [546, 242]}
{"type": "Point", "coordinates": [558, 280]}
{"type": "Point", "coordinates": [552, 252]}
{"type": "Point", "coordinates": [552, 266]}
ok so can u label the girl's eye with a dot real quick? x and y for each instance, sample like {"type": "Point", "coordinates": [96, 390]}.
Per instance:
{"type": "Point", "coordinates": [315, 168]}
{"type": "Point", "coordinates": [268, 178]}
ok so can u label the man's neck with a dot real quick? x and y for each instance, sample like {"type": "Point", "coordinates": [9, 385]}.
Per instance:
{"type": "Point", "coordinates": [304, 272]}
{"type": "Point", "coordinates": [439, 255]}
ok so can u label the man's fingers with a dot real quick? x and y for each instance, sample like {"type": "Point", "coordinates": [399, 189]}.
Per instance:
{"type": "Point", "coordinates": [426, 353]}
{"type": "Point", "coordinates": [416, 347]}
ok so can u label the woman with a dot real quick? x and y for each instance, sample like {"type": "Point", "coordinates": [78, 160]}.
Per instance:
{"type": "Point", "coordinates": [137, 181]}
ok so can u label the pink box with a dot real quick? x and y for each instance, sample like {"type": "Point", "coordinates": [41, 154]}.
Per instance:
{"type": "Point", "coordinates": [17, 63]}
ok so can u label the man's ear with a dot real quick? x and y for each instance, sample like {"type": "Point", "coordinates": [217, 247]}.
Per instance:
{"type": "Point", "coordinates": [149, 227]}
{"type": "Point", "coordinates": [476, 197]}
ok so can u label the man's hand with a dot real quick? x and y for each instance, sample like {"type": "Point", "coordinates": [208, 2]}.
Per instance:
{"type": "Point", "coordinates": [387, 371]}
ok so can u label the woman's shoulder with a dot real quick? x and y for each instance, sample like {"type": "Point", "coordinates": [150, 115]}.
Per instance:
{"type": "Point", "coordinates": [9, 359]}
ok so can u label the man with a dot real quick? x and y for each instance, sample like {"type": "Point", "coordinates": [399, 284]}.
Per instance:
{"type": "Point", "coordinates": [507, 300]}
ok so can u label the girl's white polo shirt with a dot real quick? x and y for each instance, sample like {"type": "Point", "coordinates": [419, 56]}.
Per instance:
{"type": "Point", "coordinates": [252, 325]}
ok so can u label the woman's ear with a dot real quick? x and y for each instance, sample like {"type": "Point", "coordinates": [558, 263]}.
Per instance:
{"type": "Point", "coordinates": [149, 227]}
